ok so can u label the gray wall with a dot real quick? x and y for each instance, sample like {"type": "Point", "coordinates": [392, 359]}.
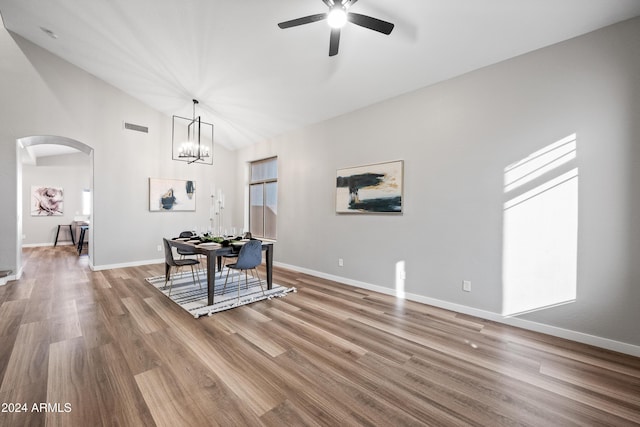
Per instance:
{"type": "Point", "coordinates": [72, 173]}
{"type": "Point", "coordinates": [44, 95]}
{"type": "Point", "coordinates": [456, 139]}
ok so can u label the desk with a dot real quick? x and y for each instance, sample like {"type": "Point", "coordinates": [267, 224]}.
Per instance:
{"type": "Point", "coordinates": [213, 253]}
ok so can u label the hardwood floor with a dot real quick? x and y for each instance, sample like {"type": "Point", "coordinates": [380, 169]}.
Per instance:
{"type": "Point", "coordinates": [106, 348]}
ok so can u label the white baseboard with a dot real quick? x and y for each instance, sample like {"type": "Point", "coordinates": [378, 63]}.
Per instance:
{"type": "Point", "coordinates": [126, 264]}
{"type": "Point", "coordinates": [42, 245]}
{"type": "Point", "coordinates": [580, 337]}
{"type": "Point", "coordinates": [11, 277]}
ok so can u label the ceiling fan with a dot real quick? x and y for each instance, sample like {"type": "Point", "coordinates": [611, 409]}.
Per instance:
{"type": "Point", "coordinates": [337, 17]}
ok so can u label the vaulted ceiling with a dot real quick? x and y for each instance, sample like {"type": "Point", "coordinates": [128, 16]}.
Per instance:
{"type": "Point", "coordinates": [255, 80]}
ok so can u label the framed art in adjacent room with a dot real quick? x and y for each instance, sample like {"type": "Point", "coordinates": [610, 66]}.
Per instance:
{"type": "Point", "coordinates": [376, 188]}
{"type": "Point", "coordinates": [171, 195]}
{"type": "Point", "coordinates": [47, 201]}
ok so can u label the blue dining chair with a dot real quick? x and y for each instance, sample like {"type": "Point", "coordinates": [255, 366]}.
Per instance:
{"type": "Point", "coordinates": [187, 252]}
{"type": "Point", "coordinates": [249, 257]}
{"type": "Point", "coordinates": [170, 261]}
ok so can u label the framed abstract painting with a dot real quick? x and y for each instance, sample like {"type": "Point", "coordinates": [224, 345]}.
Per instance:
{"type": "Point", "coordinates": [46, 201]}
{"type": "Point", "coordinates": [171, 195]}
{"type": "Point", "coordinates": [376, 188]}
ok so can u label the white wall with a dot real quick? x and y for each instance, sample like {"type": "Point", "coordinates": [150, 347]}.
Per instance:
{"type": "Point", "coordinates": [72, 173]}
{"type": "Point", "coordinates": [456, 139]}
{"type": "Point", "coordinates": [44, 95]}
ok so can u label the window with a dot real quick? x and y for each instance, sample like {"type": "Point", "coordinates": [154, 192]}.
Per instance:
{"type": "Point", "coordinates": [86, 202]}
{"type": "Point", "coordinates": [263, 198]}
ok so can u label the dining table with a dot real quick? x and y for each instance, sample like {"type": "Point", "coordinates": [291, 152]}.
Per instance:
{"type": "Point", "coordinates": [213, 253]}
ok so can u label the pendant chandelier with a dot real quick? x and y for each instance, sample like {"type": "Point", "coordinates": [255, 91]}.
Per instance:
{"type": "Point", "coordinates": [192, 139]}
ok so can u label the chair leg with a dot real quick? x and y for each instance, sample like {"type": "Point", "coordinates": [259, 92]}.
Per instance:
{"type": "Point", "coordinates": [194, 277]}
{"type": "Point", "coordinates": [225, 280]}
{"type": "Point", "coordinates": [171, 284]}
{"type": "Point", "coordinates": [259, 281]}
{"type": "Point", "coordinates": [167, 277]}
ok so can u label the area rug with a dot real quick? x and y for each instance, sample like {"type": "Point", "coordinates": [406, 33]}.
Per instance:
{"type": "Point", "coordinates": [189, 296]}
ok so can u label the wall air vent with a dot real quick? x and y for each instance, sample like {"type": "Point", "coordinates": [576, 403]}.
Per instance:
{"type": "Point", "coordinates": [137, 128]}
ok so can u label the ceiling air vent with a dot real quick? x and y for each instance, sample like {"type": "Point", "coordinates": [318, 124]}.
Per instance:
{"type": "Point", "coordinates": [137, 128]}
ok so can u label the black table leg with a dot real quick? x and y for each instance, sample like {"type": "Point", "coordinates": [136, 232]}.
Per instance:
{"type": "Point", "coordinates": [269, 267]}
{"type": "Point", "coordinates": [211, 277]}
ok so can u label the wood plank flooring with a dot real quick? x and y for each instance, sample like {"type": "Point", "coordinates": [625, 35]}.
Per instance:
{"type": "Point", "coordinates": [105, 348]}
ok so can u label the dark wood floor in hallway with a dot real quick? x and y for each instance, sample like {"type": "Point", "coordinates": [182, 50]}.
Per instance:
{"type": "Point", "coordinates": [106, 348]}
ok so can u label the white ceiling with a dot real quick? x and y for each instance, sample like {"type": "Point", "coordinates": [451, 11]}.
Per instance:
{"type": "Point", "coordinates": [255, 81]}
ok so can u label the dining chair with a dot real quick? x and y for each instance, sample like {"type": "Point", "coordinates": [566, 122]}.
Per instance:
{"type": "Point", "coordinates": [234, 253]}
{"type": "Point", "coordinates": [249, 257]}
{"type": "Point", "coordinates": [230, 256]}
{"type": "Point", "coordinates": [185, 252]}
{"type": "Point", "coordinates": [170, 261]}
{"type": "Point", "coordinates": [188, 252]}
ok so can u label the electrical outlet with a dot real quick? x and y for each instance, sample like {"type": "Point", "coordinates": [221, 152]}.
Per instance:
{"type": "Point", "coordinates": [466, 285]}
{"type": "Point", "coordinates": [159, 248]}
{"type": "Point", "coordinates": [340, 262]}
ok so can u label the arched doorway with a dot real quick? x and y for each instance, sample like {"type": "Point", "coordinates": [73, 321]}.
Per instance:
{"type": "Point", "coordinates": [51, 140]}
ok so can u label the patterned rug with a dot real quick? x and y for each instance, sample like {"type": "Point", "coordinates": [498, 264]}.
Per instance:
{"type": "Point", "coordinates": [189, 296]}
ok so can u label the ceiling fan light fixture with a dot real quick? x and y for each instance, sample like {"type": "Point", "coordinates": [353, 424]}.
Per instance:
{"type": "Point", "coordinates": [337, 17]}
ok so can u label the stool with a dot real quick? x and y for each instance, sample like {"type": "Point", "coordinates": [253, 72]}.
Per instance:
{"type": "Point", "coordinates": [83, 230]}
{"type": "Point", "coordinates": [58, 233]}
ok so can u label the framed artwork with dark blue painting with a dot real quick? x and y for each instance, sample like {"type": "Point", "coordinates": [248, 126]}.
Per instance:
{"type": "Point", "coordinates": [373, 188]}
{"type": "Point", "coordinates": [171, 195]}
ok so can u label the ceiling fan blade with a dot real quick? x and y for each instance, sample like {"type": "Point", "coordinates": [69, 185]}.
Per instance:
{"type": "Point", "coordinates": [374, 24]}
{"type": "Point", "coordinates": [304, 20]}
{"type": "Point", "coordinates": [334, 41]}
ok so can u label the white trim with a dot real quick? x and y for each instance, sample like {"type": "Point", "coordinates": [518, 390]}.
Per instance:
{"type": "Point", "coordinates": [11, 277]}
{"type": "Point", "coordinates": [576, 336]}
{"type": "Point", "coordinates": [42, 245]}
{"type": "Point", "coordinates": [126, 264]}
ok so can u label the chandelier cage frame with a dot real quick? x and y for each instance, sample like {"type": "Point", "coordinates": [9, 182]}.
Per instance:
{"type": "Point", "coordinates": [191, 139]}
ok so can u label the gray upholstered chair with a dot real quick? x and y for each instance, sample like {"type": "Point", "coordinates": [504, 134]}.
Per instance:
{"type": "Point", "coordinates": [249, 257]}
{"type": "Point", "coordinates": [227, 257]}
{"type": "Point", "coordinates": [187, 252]}
{"type": "Point", "coordinates": [170, 262]}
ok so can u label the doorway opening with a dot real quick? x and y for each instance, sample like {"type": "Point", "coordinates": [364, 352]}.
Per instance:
{"type": "Point", "coordinates": [57, 153]}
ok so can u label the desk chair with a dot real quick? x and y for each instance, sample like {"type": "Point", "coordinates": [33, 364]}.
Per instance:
{"type": "Point", "coordinates": [170, 261]}
{"type": "Point", "coordinates": [249, 257]}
